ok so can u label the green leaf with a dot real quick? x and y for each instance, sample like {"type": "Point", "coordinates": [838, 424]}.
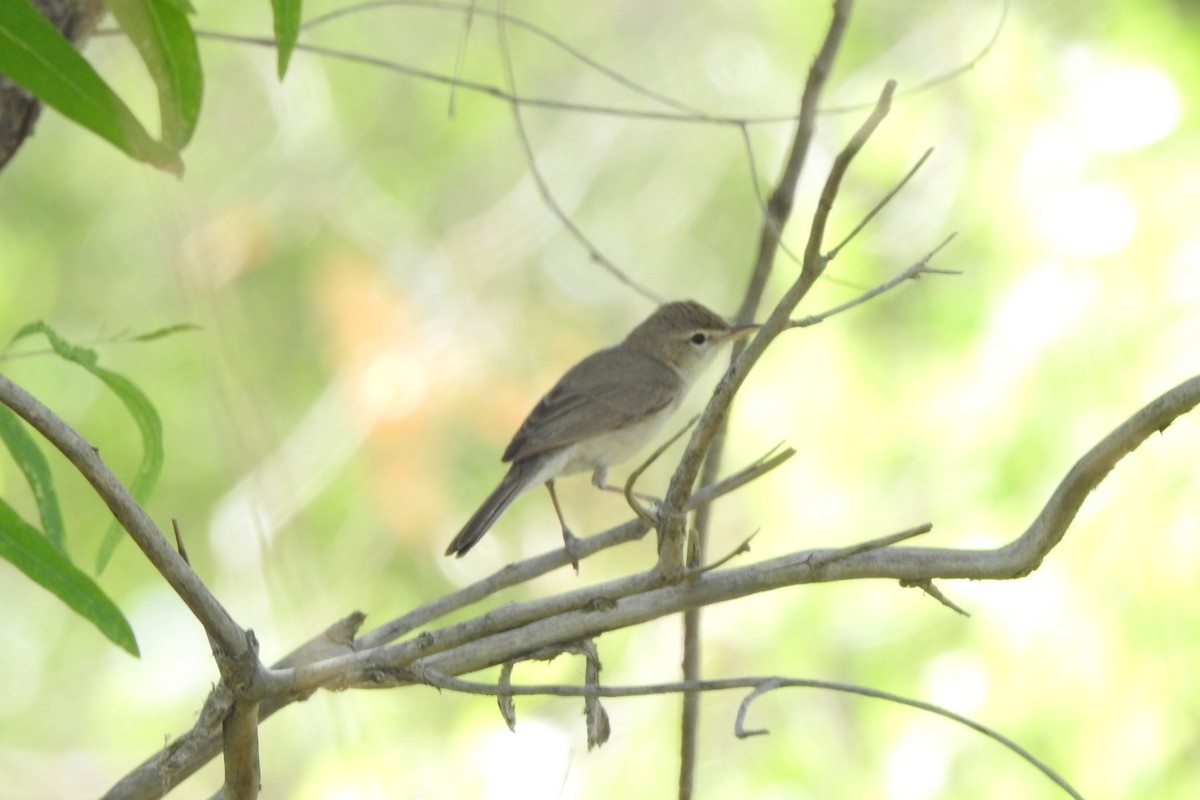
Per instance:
{"type": "Point", "coordinates": [183, 6]}
{"type": "Point", "coordinates": [79, 355]}
{"type": "Point", "coordinates": [36, 56]}
{"type": "Point", "coordinates": [33, 464]}
{"type": "Point", "coordinates": [162, 333]}
{"type": "Point", "coordinates": [150, 468]}
{"type": "Point", "coordinates": [160, 31]}
{"type": "Point", "coordinates": [29, 551]}
{"type": "Point", "coordinates": [287, 30]}
{"type": "Point", "coordinates": [140, 408]}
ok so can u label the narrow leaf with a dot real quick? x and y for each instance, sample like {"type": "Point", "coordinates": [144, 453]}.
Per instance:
{"type": "Point", "coordinates": [148, 471]}
{"type": "Point", "coordinates": [160, 31]}
{"type": "Point", "coordinates": [287, 30]}
{"type": "Point", "coordinates": [79, 355]}
{"type": "Point", "coordinates": [33, 554]}
{"type": "Point", "coordinates": [36, 468]}
{"type": "Point", "coordinates": [139, 407]}
{"type": "Point", "coordinates": [162, 333]}
{"type": "Point", "coordinates": [36, 56]}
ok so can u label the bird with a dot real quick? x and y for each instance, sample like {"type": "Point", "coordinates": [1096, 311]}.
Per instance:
{"type": "Point", "coordinates": [605, 409]}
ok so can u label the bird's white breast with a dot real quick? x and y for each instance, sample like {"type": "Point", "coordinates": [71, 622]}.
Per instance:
{"type": "Point", "coordinates": [617, 445]}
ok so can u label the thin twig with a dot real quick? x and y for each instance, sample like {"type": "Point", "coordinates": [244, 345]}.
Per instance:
{"type": "Point", "coordinates": [179, 542]}
{"type": "Point", "coordinates": [883, 201]}
{"type": "Point", "coordinates": [631, 481]}
{"type": "Point", "coordinates": [711, 491]}
{"type": "Point", "coordinates": [914, 271]}
{"type": "Point", "coordinates": [945, 77]}
{"type": "Point", "coordinates": [814, 260]}
{"type": "Point", "coordinates": [933, 591]}
{"type": "Point", "coordinates": [829, 557]}
{"type": "Point", "coordinates": [480, 88]}
{"type": "Point", "coordinates": [758, 686]}
{"type": "Point", "coordinates": [517, 22]}
{"type": "Point", "coordinates": [540, 180]}
{"type": "Point", "coordinates": [460, 55]}
{"type": "Point", "coordinates": [743, 547]}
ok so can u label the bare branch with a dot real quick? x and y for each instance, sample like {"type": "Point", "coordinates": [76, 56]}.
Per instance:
{"type": "Point", "coordinates": [540, 180]}
{"type": "Point", "coordinates": [689, 466]}
{"type": "Point", "coordinates": [779, 209]}
{"type": "Point", "coordinates": [516, 574]}
{"type": "Point", "coordinates": [240, 744]}
{"type": "Point", "coordinates": [830, 557]}
{"type": "Point", "coordinates": [517, 22]}
{"type": "Point", "coordinates": [883, 201]}
{"type": "Point", "coordinates": [933, 591]}
{"type": "Point", "coordinates": [632, 600]}
{"type": "Point", "coordinates": [631, 481]}
{"type": "Point", "coordinates": [913, 272]}
{"type": "Point", "coordinates": [759, 687]}
{"type": "Point", "coordinates": [945, 77]}
{"type": "Point", "coordinates": [712, 491]}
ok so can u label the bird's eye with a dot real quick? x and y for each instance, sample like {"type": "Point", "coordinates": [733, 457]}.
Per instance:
{"type": "Point", "coordinates": [699, 338]}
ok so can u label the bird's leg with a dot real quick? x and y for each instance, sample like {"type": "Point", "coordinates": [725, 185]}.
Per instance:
{"type": "Point", "coordinates": [569, 539]}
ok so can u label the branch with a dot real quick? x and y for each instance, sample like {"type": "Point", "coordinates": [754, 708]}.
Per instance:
{"type": "Point", "coordinates": [609, 606]}
{"type": "Point", "coordinates": [672, 531]}
{"type": "Point", "coordinates": [779, 208]}
{"type": "Point", "coordinates": [218, 624]}
{"type": "Point", "coordinates": [516, 574]}
{"type": "Point", "coordinates": [913, 272]}
{"type": "Point", "coordinates": [758, 686]}
{"type": "Point", "coordinates": [588, 612]}
{"type": "Point", "coordinates": [540, 180]}
{"type": "Point", "coordinates": [505, 18]}
{"type": "Point", "coordinates": [235, 650]}
{"type": "Point", "coordinates": [708, 445]}
{"type": "Point", "coordinates": [883, 201]}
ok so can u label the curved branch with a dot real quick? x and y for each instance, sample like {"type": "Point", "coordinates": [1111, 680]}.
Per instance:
{"type": "Point", "coordinates": [515, 629]}
{"type": "Point", "coordinates": [502, 633]}
{"type": "Point", "coordinates": [758, 686]}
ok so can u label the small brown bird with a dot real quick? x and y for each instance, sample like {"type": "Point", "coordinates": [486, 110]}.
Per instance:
{"type": "Point", "coordinates": [605, 409]}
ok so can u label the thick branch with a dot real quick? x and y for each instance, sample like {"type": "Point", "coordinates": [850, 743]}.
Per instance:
{"type": "Point", "coordinates": [611, 605]}
{"type": "Point", "coordinates": [911, 564]}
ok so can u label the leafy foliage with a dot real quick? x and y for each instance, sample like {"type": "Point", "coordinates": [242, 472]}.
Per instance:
{"type": "Point", "coordinates": [38, 57]}
{"type": "Point", "coordinates": [42, 554]}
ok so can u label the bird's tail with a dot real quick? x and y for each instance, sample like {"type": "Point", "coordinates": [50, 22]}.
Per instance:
{"type": "Point", "coordinates": [516, 481]}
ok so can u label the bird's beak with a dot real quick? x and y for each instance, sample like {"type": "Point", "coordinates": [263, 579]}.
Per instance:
{"type": "Point", "coordinates": [738, 331]}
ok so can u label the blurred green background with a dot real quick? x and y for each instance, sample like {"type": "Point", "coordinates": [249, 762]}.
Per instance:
{"type": "Point", "coordinates": [383, 296]}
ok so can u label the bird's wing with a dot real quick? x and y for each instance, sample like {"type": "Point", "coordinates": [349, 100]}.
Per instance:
{"type": "Point", "coordinates": [596, 395]}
